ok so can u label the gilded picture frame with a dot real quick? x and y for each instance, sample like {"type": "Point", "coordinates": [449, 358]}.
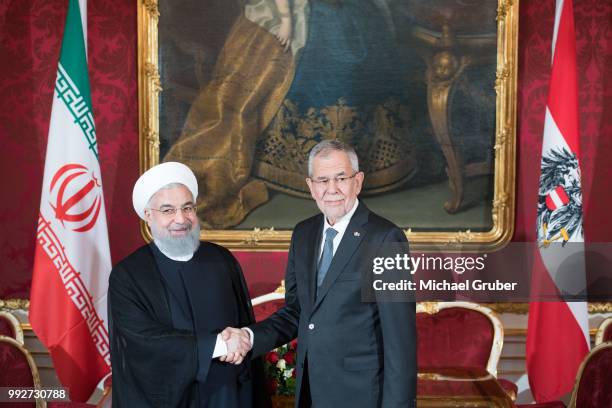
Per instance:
{"type": "Point", "coordinates": [443, 63]}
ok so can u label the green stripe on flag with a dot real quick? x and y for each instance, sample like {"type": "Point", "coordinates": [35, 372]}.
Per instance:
{"type": "Point", "coordinates": [72, 85]}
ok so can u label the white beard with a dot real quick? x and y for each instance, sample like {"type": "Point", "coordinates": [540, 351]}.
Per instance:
{"type": "Point", "coordinates": [177, 247]}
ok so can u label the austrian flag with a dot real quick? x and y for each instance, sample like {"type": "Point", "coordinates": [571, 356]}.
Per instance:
{"type": "Point", "coordinates": [557, 333]}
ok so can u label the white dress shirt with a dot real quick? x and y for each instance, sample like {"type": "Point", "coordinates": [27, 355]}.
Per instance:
{"type": "Point", "coordinates": [339, 226]}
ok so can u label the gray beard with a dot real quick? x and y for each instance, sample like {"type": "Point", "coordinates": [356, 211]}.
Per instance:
{"type": "Point", "coordinates": [177, 247]}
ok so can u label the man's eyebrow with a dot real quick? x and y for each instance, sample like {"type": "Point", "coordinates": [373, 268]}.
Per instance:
{"type": "Point", "coordinates": [171, 206]}
{"type": "Point", "coordinates": [342, 173]}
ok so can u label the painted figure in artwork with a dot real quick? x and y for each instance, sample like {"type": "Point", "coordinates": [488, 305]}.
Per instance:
{"type": "Point", "coordinates": [291, 74]}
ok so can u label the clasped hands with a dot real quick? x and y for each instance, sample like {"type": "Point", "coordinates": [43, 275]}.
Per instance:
{"type": "Point", "coordinates": [238, 344]}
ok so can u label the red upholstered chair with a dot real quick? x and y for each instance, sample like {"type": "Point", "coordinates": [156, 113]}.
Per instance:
{"type": "Point", "coordinates": [100, 398]}
{"type": "Point", "coordinates": [10, 327]}
{"type": "Point", "coordinates": [593, 388]}
{"type": "Point", "coordinates": [604, 332]}
{"type": "Point", "coordinates": [107, 395]}
{"type": "Point", "coordinates": [265, 305]}
{"type": "Point", "coordinates": [460, 335]}
{"type": "Point", "coordinates": [18, 370]}
{"type": "Point", "coordinates": [552, 404]}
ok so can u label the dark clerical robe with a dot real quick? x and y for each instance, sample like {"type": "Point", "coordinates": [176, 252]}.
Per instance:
{"type": "Point", "coordinates": [164, 317]}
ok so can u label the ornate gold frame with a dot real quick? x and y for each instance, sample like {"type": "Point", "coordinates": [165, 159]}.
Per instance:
{"type": "Point", "coordinates": [149, 86]}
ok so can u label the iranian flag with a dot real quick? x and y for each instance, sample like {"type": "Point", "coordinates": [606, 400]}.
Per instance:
{"type": "Point", "coordinates": [72, 257]}
{"type": "Point", "coordinates": [557, 334]}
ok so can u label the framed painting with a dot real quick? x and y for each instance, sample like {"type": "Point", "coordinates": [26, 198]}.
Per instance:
{"type": "Point", "coordinates": [425, 92]}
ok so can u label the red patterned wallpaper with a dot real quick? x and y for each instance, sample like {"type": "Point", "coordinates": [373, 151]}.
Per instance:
{"type": "Point", "coordinates": [30, 40]}
{"type": "Point", "coordinates": [30, 33]}
{"type": "Point", "coordinates": [593, 20]}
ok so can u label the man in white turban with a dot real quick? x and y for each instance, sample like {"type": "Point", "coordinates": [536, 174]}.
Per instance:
{"type": "Point", "coordinates": [168, 302]}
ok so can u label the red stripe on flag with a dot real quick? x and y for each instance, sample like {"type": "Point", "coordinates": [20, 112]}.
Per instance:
{"type": "Point", "coordinates": [562, 195]}
{"type": "Point", "coordinates": [555, 341]}
{"type": "Point", "coordinates": [78, 363]}
{"type": "Point", "coordinates": [550, 203]}
{"type": "Point", "coordinates": [555, 349]}
{"type": "Point", "coordinates": [80, 353]}
{"type": "Point", "coordinates": [563, 93]}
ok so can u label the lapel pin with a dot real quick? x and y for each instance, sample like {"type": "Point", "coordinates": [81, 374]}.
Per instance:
{"type": "Point", "coordinates": [356, 233]}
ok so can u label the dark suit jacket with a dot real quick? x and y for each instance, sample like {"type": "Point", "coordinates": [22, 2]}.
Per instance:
{"type": "Point", "coordinates": [360, 354]}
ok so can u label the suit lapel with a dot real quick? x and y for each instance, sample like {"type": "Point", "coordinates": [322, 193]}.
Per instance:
{"type": "Point", "coordinates": [312, 252]}
{"type": "Point", "coordinates": [352, 238]}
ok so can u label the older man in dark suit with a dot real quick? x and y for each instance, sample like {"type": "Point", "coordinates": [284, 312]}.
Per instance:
{"type": "Point", "coordinates": [351, 353]}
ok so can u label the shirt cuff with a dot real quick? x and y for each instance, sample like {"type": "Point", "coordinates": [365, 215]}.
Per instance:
{"type": "Point", "coordinates": [220, 347]}
{"type": "Point", "coordinates": [251, 335]}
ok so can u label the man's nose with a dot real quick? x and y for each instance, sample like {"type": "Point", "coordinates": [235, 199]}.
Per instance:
{"type": "Point", "coordinates": [179, 218]}
{"type": "Point", "coordinates": [332, 187]}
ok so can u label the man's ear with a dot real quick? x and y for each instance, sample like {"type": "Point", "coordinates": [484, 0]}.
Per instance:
{"type": "Point", "coordinates": [359, 179]}
{"type": "Point", "coordinates": [147, 216]}
{"type": "Point", "coordinates": [310, 187]}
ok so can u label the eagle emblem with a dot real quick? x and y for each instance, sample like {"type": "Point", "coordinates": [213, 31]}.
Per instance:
{"type": "Point", "coordinates": [560, 197]}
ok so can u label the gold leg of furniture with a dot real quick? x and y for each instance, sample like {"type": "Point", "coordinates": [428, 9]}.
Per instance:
{"type": "Point", "coordinates": [443, 69]}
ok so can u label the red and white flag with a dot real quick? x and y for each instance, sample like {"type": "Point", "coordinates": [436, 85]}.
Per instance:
{"type": "Point", "coordinates": [72, 258]}
{"type": "Point", "coordinates": [557, 334]}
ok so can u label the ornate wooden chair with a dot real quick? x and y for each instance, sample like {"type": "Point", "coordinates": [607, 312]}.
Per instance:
{"type": "Point", "coordinates": [102, 396]}
{"type": "Point", "coordinates": [604, 331]}
{"type": "Point", "coordinates": [10, 326]}
{"type": "Point", "coordinates": [593, 388]}
{"type": "Point", "coordinates": [265, 305]}
{"type": "Point", "coordinates": [18, 370]}
{"type": "Point", "coordinates": [107, 396]}
{"type": "Point", "coordinates": [460, 335]}
{"type": "Point", "coordinates": [552, 404]}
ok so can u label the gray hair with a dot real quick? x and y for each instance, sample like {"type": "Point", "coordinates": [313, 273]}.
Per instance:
{"type": "Point", "coordinates": [166, 187]}
{"type": "Point", "coordinates": [327, 146]}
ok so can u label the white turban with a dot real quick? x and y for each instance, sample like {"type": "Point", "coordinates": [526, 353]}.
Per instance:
{"type": "Point", "coordinates": [159, 176]}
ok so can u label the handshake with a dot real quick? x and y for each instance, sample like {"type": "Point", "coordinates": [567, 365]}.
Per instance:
{"type": "Point", "coordinates": [238, 342]}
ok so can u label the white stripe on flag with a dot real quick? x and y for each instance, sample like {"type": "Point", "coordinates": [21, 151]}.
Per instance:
{"type": "Point", "coordinates": [556, 199]}
{"type": "Point", "coordinates": [552, 135]}
{"type": "Point", "coordinates": [580, 311]}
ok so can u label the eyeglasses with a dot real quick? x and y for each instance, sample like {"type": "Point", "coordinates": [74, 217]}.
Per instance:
{"type": "Point", "coordinates": [187, 210]}
{"type": "Point", "coordinates": [341, 181]}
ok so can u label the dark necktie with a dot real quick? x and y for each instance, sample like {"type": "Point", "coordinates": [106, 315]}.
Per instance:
{"type": "Point", "coordinates": [328, 254]}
